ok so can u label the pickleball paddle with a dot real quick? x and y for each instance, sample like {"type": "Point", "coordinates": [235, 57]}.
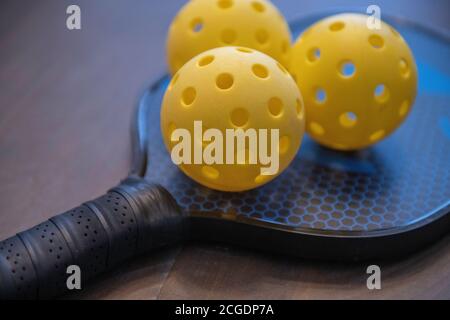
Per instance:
{"type": "Point", "coordinates": [382, 202]}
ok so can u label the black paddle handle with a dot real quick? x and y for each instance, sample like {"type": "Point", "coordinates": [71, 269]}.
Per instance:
{"type": "Point", "coordinates": [128, 220]}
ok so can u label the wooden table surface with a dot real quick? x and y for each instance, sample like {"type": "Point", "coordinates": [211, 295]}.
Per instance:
{"type": "Point", "coordinates": [66, 100]}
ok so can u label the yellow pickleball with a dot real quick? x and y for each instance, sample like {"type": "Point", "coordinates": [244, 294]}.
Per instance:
{"type": "Point", "coordinates": [234, 88]}
{"type": "Point", "coordinates": [358, 81]}
{"type": "Point", "coordinates": [206, 24]}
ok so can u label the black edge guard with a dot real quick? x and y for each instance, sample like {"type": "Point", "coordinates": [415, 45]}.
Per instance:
{"type": "Point", "coordinates": [130, 219]}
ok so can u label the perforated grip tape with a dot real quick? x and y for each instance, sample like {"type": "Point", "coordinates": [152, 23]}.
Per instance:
{"type": "Point", "coordinates": [130, 219]}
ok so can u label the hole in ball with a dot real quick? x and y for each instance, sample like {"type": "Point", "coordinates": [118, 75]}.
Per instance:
{"type": "Point", "coordinates": [239, 117]}
{"type": "Point", "coordinates": [348, 119]}
{"type": "Point", "coordinates": [381, 93]}
{"type": "Point", "coordinates": [262, 36]}
{"type": "Point", "coordinates": [275, 106]}
{"type": "Point", "coordinates": [321, 96]}
{"type": "Point", "coordinates": [188, 96]}
{"type": "Point", "coordinates": [404, 68]}
{"type": "Point", "coordinates": [336, 26]}
{"type": "Point", "coordinates": [260, 71]}
{"type": "Point", "coordinates": [316, 129]}
{"type": "Point", "coordinates": [404, 108]}
{"type": "Point", "coordinates": [205, 61]}
{"type": "Point", "coordinates": [347, 69]}
{"type": "Point", "coordinates": [377, 135]}
{"type": "Point", "coordinates": [244, 50]}
{"type": "Point", "coordinates": [197, 25]}
{"type": "Point", "coordinates": [224, 81]}
{"type": "Point", "coordinates": [261, 179]}
{"type": "Point", "coordinates": [313, 54]}
{"type": "Point", "coordinates": [376, 41]}
{"type": "Point", "coordinates": [225, 4]}
{"type": "Point", "coordinates": [210, 172]}
{"type": "Point", "coordinates": [258, 6]}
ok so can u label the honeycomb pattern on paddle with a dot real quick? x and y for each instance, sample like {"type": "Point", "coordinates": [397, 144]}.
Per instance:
{"type": "Point", "coordinates": [391, 184]}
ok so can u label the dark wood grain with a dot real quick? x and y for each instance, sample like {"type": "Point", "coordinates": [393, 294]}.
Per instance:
{"type": "Point", "coordinates": [66, 99]}
{"type": "Point", "coordinates": [66, 103]}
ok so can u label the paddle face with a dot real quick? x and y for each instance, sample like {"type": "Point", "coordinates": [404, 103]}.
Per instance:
{"type": "Point", "coordinates": [402, 181]}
